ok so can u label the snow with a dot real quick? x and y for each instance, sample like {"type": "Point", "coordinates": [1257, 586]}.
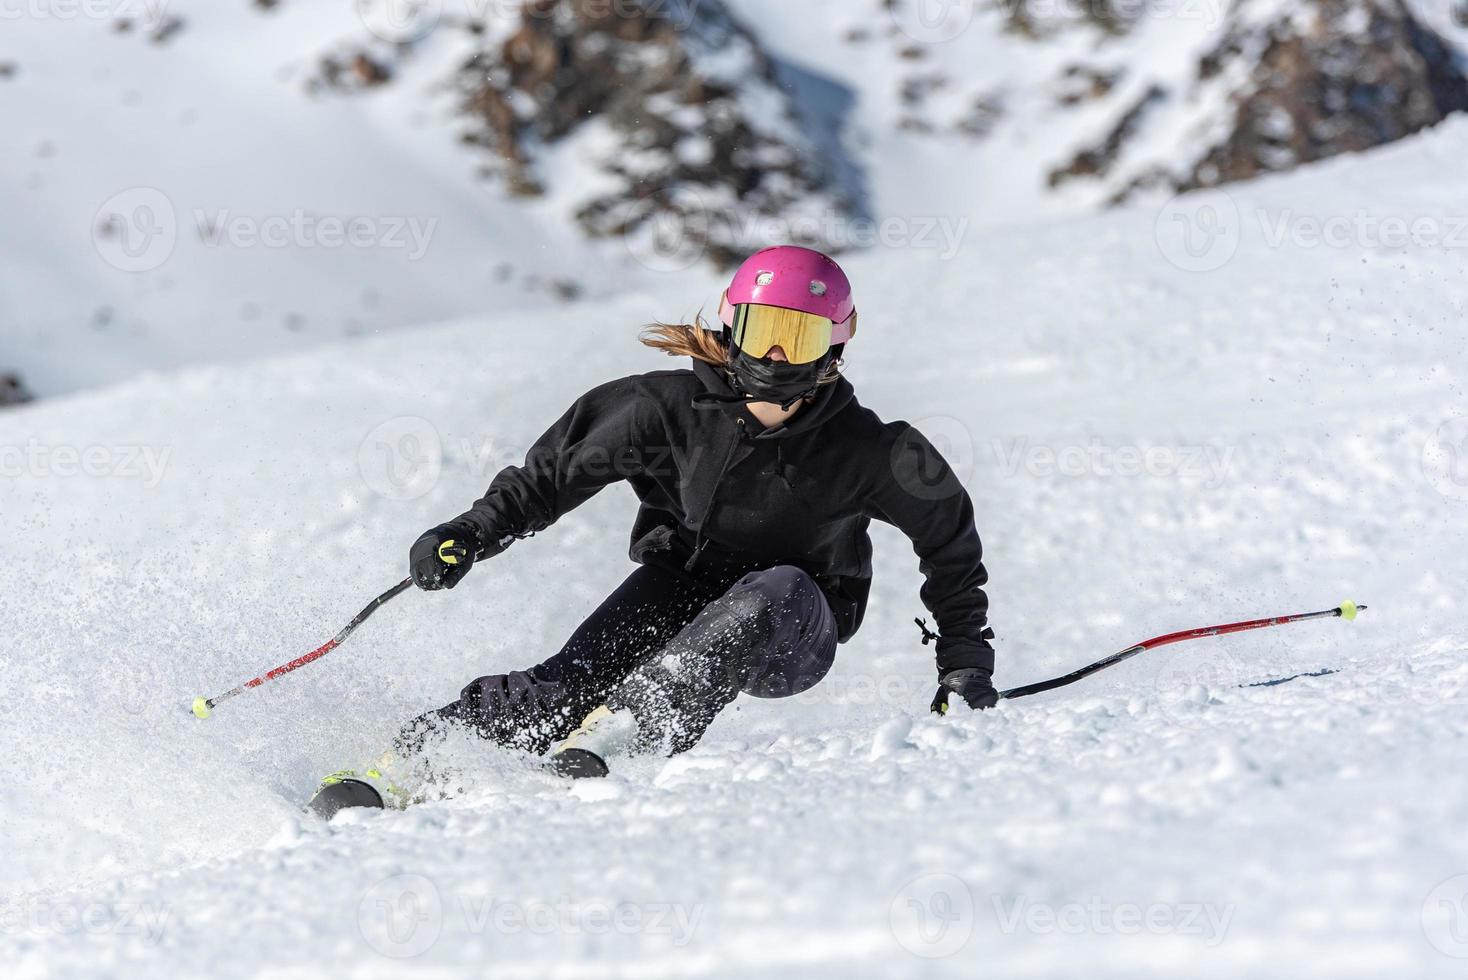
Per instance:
{"type": "Point", "coordinates": [1149, 448]}
{"type": "Point", "coordinates": [217, 122]}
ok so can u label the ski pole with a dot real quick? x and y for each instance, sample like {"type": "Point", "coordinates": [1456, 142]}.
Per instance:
{"type": "Point", "coordinates": [204, 707]}
{"type": "Point", "coordinates": [1346, 610]}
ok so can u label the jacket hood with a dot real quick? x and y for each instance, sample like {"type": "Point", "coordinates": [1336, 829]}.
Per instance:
{"type": "Point", "coordinates": [829, 400]}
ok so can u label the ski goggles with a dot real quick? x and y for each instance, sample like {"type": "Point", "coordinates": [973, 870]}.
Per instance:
{"type": "Point", "coordinates": [804, 337]}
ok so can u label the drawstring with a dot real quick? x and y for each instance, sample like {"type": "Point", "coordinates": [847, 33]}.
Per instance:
{"type": "Point", "coordinates": [698, 539]}
{"type": "Point", "coordinates": [712, 399]}
{"type": "Point", "coordinates": [739, 394]}
{"type": "Point", "coordinates": [780, 465]}
{"type": "Point", "coordinates": [928, 635]}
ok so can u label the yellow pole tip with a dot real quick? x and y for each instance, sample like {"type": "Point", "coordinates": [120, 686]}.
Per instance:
{"type": "Point", "coordinates": [1349, 610]}
{"type": "Point", "coordinates": [201, 708]}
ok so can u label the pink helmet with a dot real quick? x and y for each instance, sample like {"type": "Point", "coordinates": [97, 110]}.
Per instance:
{"type": "Point", "coordinates": [794, 278]}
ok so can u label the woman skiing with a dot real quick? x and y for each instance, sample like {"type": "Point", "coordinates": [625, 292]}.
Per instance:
{"type": "Point", "coordinates": [758, 475]}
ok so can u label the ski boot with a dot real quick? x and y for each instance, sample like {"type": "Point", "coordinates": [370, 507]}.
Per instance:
{"type": "Point", "coordinates": [602, 734]}
{"type": "Point", "coordinates": [348, 788]}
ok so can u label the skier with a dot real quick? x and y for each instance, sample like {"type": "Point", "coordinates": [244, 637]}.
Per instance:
{"type": "Point", "coordinates": [758, 474]}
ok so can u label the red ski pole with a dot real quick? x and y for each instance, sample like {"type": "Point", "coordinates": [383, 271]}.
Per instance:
{"type": "Point", "coordinates": [204, 707]}
{"type": "Point", "coordinates": [1346, 610]}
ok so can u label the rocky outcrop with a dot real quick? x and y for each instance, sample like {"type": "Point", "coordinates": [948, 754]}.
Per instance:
{"type": "Point", "coordinates": [1098, 160]}
{"type": "Point", "coordinates": [1038, 21]}
{"type": "Point", "coordinates": [12, 391]}
{"type": "Point", "coordinates": [640, 116]}
{"type": "Point", "coordinates": [1351, 75]}
{"type": "Point", "coordinates": [349, 71]}
{"type": "Point", "coordinates": [1308, 81]}
{"type": "Point", "coordinates": [690, 118]}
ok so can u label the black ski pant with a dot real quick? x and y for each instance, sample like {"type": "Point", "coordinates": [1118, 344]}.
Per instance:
{"type": "Point", "coordinates": [673, 649]}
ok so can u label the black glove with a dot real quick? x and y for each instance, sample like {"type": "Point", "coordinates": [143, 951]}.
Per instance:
{"type": "Point", "coordinates": [974, 684]}
{"type": "Point", "coordinates": [519, 692]}
{"type": "Point", "coordinates": [443, 556]}
{"type": "Point", "coordinates": [515, 709]}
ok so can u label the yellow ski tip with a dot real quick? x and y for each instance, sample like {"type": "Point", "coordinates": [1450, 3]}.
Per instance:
{"type": "Point", "coordinates": [201, 708]}
{"type": "Point", "coordinates": [1349, 609]}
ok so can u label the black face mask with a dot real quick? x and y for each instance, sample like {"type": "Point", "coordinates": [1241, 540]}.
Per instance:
{"type": "Point", "coordinates": [775, 381]}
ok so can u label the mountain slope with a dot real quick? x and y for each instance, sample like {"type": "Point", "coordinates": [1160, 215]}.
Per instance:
{"type": "Point", "coordinates": [250, 218]}
{"type": "Point", "coordinates": [1148, 448]}
{"type": "Point", "coordinates": [222, 181]}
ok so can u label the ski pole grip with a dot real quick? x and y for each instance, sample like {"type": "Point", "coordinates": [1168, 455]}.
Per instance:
{"type": "Point", "coordinates": [451, 553]}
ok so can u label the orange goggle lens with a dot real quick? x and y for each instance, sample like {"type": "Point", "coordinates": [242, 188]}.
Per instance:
{"type": "Point", "coordinates": [804, 337]}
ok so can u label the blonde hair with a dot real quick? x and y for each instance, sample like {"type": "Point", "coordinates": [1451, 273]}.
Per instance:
{"type": "Point", "coordinates": [702, 343]}
{"type": "Point", "coordinates": [696, 340]}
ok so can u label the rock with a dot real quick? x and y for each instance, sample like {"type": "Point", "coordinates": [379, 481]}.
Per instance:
{"type": "Point", "coordinates": [1085, 83]}
{"type": "Point", "coordinates": [983, 117]}
{"type": "Point", "coordinates": [1040, 21]}
{"type": "Point", "coordinates": [1098, 160]}
{"type": "Point", "coordinates": [368, 71]}
{"type": "Point", "coordinates": [349, 71]}
{"type": "Point", "coordinates": [657, 85]}
{"type": "Point", "coordinates": [166, 30]}
{"type": "Point", "coordinates": [12, 390]}
{"type": "Point", "coordinates": [1313, 80]}
{"type": "Point", "coordinates": [1353, 75]}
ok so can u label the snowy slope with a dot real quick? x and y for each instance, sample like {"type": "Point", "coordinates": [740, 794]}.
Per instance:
{"type": "Point", "coordinates": [1302, 407]}
{"type": "Point", "coordinates": [233, 187]}
{"type": "Point", "coordinates": [236, 190]}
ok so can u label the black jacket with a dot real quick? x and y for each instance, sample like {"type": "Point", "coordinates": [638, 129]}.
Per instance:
{"type": "Point", "coordinates": [721, 495]}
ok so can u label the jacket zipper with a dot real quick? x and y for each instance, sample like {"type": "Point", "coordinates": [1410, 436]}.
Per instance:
{"type": "Point", "coordinates": [699, 542]}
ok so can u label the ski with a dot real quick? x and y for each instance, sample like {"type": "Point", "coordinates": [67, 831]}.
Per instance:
{"type": "Point", "coordinates": [342, 793]}
{"type": "Point", "coordinates": [578, 764]}
{"type": "Point", "coordinates": [349, 789]}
